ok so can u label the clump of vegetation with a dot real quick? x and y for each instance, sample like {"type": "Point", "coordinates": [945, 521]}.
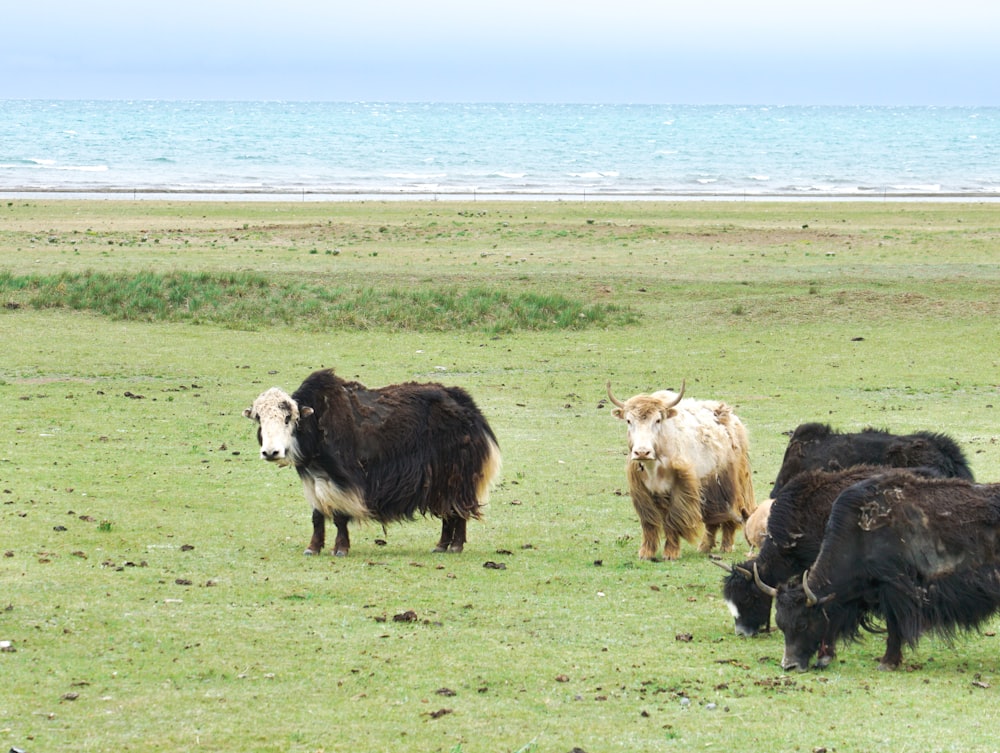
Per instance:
{"type": "Point", "coordinates": [243, 300]}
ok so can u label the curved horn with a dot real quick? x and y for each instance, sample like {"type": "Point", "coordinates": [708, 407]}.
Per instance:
{"type": "Point", "coordinates": [680, 395]}
{"type": "Point", "coordinates": [811, 599]}
{"type": "Point", "coordinates": [723, 565]}
{"type": "Point", "coordinates": [769, 590]}
{"type": "Point", "coordinates": [618, 403]}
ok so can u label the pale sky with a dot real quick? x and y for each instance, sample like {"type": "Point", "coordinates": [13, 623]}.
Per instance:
{"type": "Point", "coordinates": [938, 52]}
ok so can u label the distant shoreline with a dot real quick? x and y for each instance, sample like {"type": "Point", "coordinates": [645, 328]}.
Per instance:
{"type": "Point", "coordinates": [336, 152]}
{"type": "Point", "coordinates": [309, 195]}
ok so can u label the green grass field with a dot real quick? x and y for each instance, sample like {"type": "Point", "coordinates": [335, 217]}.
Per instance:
{"type": "Point", "coordinates": [153, 591]}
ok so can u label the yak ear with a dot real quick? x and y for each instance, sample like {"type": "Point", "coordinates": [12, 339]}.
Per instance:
{"type": "Point", "coordinates": [305, 411]}
{"type": "Point", "coordinates": [248, 412]}
{"type": "Point", "coordinates": [618, 413]}
{"type": "Point", "coordinates": [671, 412]}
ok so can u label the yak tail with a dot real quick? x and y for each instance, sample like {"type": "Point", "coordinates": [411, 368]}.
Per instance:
{"type": "Point", "coordinates": [744, 502]}
{"type": "Point", "coordinates": [489, 472]}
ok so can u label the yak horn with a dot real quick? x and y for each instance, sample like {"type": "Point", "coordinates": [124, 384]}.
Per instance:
{"type": "Point", "coordinates": [811, 599]}
{"type": "Point", "coordinates": [680, 394]}
{"type": "Point", "coordinates": [723, 565]}
{"type": "Point", "coordinates": [769, 590]}
{"type": "Point", "coordinates": [618, 403]}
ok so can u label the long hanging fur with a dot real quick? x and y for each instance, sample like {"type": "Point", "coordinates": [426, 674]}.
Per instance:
{"type": "Point", "coordinates": [795, 529]}
{"type": "Point", "coordinates": [688, 471]}
{"type": "Point", "coordinates": [407, 449]}
{"type": "Point", "coordinates": [677, 518]}
{"type": "Point", "coordinates": [920, 553]}
{"type": "Point", "coordinates": [381, 454]}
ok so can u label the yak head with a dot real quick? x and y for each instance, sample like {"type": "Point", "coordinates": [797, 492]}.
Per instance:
{"type": "Point", "coordinates": [749, 605]}
{"type": "Point", "coordinates": [276, 415]}
{"type": "Point", "coordinates": [644, 415]}
{"type": "Point", "coordinates": [800, 615]}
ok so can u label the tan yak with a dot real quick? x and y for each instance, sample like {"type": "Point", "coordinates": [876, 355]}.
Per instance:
{"type": "Point", "coordinates": [755, 527]}
{"type": "Point", "coordinates": [688, 470]}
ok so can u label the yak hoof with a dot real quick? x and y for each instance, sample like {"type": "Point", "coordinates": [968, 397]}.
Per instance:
{"type": "Point", "coordinates": [340, 553]}
{"type": "Point", "coordinates": [309, 552]}
{"type": "Point", "coordinates": [455, 548]}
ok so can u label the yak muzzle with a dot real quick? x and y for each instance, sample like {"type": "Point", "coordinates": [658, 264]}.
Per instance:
{"type": "Point", "coordinates": [272, 454]}
{"type": "Point", "coordinates": [790, 663]}
{"type": "Point", "coordinates": [642, 454]}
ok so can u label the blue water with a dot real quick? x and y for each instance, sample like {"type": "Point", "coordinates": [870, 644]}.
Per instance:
{"type": "Point", "coordinates": [385, 149]}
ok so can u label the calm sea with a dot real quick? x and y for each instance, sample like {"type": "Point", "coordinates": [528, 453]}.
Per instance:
{"type": "Point", "coordinates": [323, 150]}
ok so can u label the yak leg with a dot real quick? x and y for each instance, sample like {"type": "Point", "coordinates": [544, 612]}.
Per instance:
{"type": "Point", "coordinates": [729, 535]}
{"type": "Point", "coordinates": [893, 647]}
{"type": "Point", "coordinates": [671, 538]}
{"type": "Point", "coordinates": [649, 550]}
{"type": "Point", "coordinates": [447, 534]}
{"type": "Point", "coordinates": [318, 540]}
{"type": "Point", "coordinates": [342, 544]}
{"type": "Point", "coordinates": [708, 541]}
{"type": "Point", "coordinates": [458, 537]}
{"type": "Point", "coordinates": [671, 546]}
{"type": "Point", "coordinates": [452, 535]}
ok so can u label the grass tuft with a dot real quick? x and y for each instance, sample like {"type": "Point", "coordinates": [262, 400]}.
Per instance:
{"type": "Point", "coordinates": [246, 300]}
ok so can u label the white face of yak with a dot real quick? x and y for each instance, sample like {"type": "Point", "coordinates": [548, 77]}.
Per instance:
{"type": "Point", "coordinates": [276, 415]}
{"type": "Point", "coordinates": [644, 415]}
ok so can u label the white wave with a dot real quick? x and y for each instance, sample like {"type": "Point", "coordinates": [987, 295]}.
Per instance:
{"type": "Point", "coordinates": [416, 176]}
{"type": "Point", "coordinates": [223, 187]}
{"type": "Point", "coordinates": [927, 187]}
{"type": "Point", "coordinates": [761, 178]}
{"type": "Point", "coordinates": [706, 181]}
{"type": "Point", "coordinates": [51, 164]}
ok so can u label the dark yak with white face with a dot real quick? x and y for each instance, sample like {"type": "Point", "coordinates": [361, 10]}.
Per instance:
{"type": "Point", "coordinates": [817, 446]}
{"type": "Point", "coordinates": [922, 554]}
{"type": "Point", "coordinates": [382, 454]}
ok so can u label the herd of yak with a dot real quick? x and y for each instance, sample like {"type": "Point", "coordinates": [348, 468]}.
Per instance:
{"type": "Point", "coordinates": [865, 531]}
